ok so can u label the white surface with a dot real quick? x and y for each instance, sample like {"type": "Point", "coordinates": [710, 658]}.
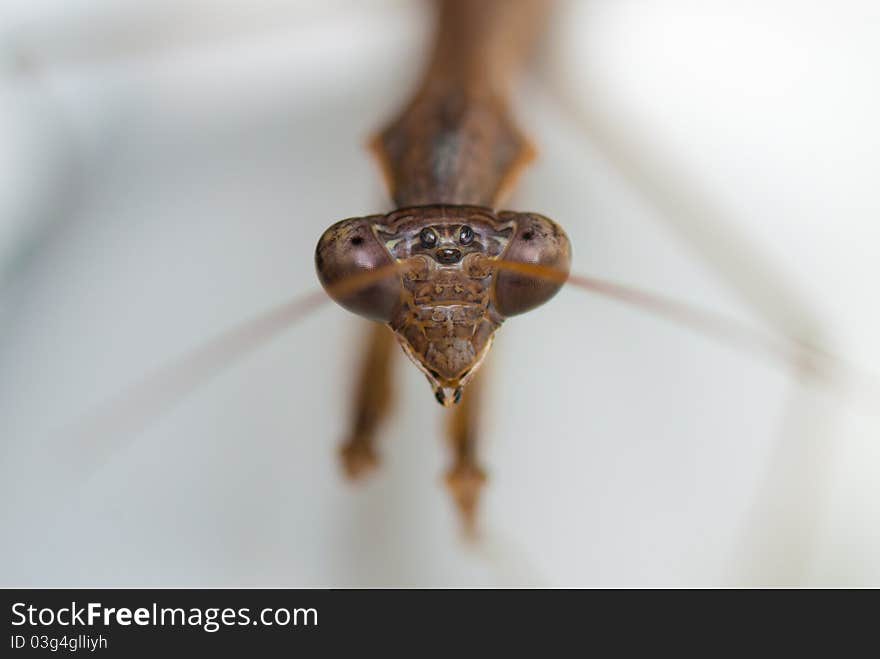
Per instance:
{"type": "Point", "coordinates": [182, 176]}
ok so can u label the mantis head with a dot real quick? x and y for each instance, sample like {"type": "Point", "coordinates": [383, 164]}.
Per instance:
{"type": "Point", "coordinates": [445, 298]}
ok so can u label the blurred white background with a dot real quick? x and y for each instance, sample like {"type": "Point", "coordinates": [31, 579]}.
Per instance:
{"type": "Point", "coordinates": [167, 168]}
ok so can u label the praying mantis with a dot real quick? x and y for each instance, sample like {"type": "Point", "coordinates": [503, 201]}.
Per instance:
{"type": "Point", "coordinates": [463, 265]}
{"type": "Point", "coordinates": [513, 433]}
{"type": "Point", "coordinates": [448, 159]}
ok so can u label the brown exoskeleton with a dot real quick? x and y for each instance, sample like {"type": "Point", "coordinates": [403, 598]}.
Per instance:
{"type": "Point", "coordinates": [446, 268]}
{"type": "Point", "coordinates": [447, 303]}
{"type": "Point", "coordinates": [448, 159]}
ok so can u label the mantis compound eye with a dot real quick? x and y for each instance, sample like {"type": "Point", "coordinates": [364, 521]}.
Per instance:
{"type": "Point", "coordinates": [350, 248]}
{"type": "Point", "coordinates": [537, 240]}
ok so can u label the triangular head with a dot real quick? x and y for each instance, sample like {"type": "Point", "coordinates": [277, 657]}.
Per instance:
{"type": "Point", "coordinates": [446, 300]}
